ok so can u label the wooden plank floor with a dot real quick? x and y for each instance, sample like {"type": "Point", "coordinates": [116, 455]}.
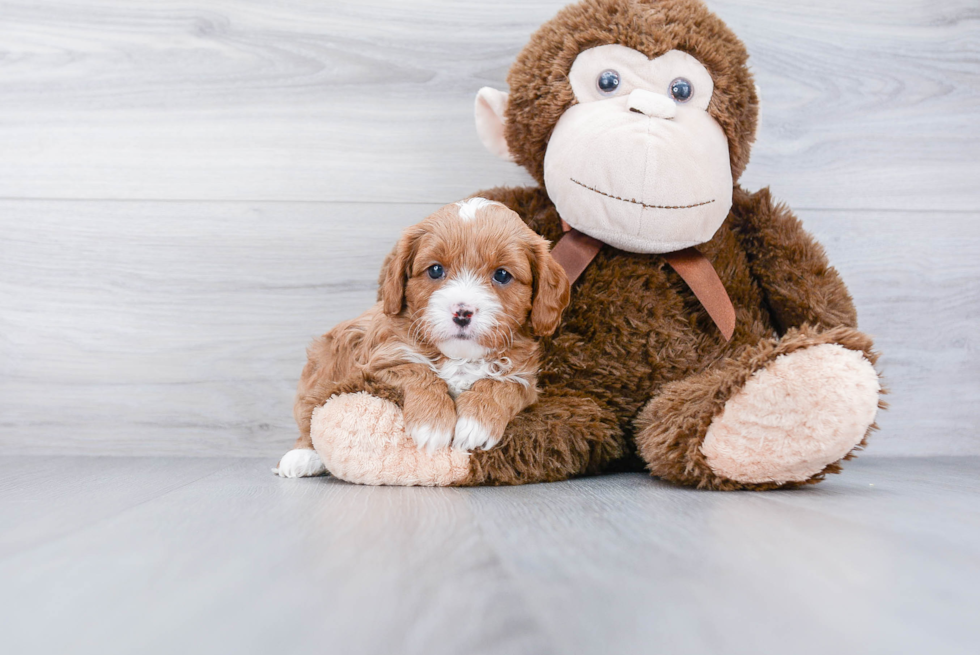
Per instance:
{"type": "Point", "coordinates": [156, 555]}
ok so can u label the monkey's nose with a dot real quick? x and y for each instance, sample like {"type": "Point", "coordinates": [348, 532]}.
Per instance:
{"type": "Point", "coordinates": [652, 104]}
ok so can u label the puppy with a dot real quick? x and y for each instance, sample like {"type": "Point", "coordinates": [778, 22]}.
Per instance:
{"type": "Point", "coordinates": [451, 339]}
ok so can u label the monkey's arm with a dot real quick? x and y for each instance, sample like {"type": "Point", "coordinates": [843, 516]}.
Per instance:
{"type": "Point", "coordinates": [563, 435]}
{"type": "Point", "coordinates": [800, 285]}
{"type": "Point", "coordinates": [317, 394]}
{"type": "Point", "coordinates": [361, 438]}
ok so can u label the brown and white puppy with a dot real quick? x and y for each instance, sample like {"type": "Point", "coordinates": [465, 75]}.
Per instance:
{"type": "Point", "coordinates": [461, 298]}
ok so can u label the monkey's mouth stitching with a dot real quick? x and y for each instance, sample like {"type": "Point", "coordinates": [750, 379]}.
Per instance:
{"type": "Point", "coordinates": [637, 202]}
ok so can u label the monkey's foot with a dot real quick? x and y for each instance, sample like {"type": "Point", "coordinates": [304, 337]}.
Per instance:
{"type": "Point", "coordinates": [362, 439]}
{"type": "Point", "coordinates": [804, 411]}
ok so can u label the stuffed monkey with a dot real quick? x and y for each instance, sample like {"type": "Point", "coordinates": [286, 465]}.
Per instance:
{"type": "Point", "coordinates": [708, 340]}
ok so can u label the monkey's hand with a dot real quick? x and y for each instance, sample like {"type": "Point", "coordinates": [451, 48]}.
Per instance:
{"type": "Point", "coordinates": [362, 439]}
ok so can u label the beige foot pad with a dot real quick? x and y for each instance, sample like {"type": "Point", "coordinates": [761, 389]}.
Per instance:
{"type": "Point", "coordinates": [804, 411]}
{"type": "Point", "coordinates": [361, 439]}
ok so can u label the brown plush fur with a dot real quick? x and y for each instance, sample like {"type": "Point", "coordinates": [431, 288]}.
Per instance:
{"type": "Point", "coordinates": [369, 353]}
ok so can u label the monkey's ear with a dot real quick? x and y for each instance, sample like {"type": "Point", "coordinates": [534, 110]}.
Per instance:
{"type": "Point", "coordinates": [491, 106]}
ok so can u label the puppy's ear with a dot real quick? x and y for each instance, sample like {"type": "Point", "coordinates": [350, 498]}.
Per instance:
{"type": "Point", "coordinates": [551, 290]}
{"type": "Point", "coordinates": [395, 272]}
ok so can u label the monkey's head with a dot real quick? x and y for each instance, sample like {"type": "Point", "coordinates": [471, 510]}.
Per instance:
{"type": "Point", "coordinates": [636, 115]}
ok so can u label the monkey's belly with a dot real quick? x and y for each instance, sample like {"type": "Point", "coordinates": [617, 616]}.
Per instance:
{"type": "Point", "coordinates": [633, 326]}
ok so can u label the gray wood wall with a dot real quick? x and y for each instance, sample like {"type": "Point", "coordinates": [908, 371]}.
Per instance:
{"type": "Point", "coordinates": [190, 191]}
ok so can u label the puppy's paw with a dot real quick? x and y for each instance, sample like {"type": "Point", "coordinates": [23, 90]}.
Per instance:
{"type": "Point", "coordinates": [430, 437]}
{"type": "Point", "coordinates": [300, 463]}
{"type": "Point", "coordinates": [472, 434]}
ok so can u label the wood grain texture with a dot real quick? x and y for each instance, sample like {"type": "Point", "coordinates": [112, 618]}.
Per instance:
{"type": "Point", "coordinates": [868, 104]}
{"type": "Point", "coordinates": [239, 562]}
{"type": "Point", "coordinates": [180, 328]}
{"type": "Point", "coordinates": [168, 328]}
{"type": "Point", "coordinates": [882, 560]}
{"type": "Point", "coordinates": [862, 563]}
{"type": "Point", "coordinates": [914, 277]}
{"type": "Point", "coordinates": [45, 499]}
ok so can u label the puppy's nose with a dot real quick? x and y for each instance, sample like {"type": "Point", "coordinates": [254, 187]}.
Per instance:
{"type": "Point", "coordinates": [462, 316]}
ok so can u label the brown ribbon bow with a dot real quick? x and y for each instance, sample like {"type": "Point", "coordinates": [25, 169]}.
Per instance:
{"type": "Point", "coordinates": [575, 251]}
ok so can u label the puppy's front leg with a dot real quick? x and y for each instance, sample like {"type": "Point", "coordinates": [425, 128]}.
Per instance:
{"type": "Point", "coordinates": [484, 411]}
{"type": "Point", "coordinates": [428, 409]}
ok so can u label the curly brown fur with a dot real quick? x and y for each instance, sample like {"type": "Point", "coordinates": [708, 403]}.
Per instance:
{"type": "Point", "coordinates": [800, 286]}
{"type": "Point", "coordinates": [554, 439]}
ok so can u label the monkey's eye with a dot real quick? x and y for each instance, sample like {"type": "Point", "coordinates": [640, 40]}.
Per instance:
{"type": "Point", "coordinates": [681, 90]}
{"type": "Point", "coordinates": [607, 82]}
{"type": "Point", "coordinates": [436, 272]}
{"type": "Point", "coordinates": [501, 276]}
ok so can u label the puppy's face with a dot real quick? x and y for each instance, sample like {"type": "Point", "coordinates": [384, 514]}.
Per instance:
{"type": "Point", "coordinates": [472, 276]}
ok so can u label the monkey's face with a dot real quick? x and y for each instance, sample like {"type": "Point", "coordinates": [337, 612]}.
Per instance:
{"type": "Point", "coordinates": [638, 162]}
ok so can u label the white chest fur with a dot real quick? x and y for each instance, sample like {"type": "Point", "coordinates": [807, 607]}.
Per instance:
{"type": "Point", "coordinates": [461, 374]}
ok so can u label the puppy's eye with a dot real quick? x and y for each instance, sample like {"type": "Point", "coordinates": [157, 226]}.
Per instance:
{"type": "Point", "coordinates": [436, 272]}
{"type": "Point", "coordinates": [501, 276]}
{"type": "Point", "coordinates": [681, 90]}
{"type": "Point", "coordinates": [608, 82]}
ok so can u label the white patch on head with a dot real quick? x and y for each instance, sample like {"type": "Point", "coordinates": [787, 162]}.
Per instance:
{"type": "Point", "coordinates": [300, 463]}
{"type": "Point", "coordinates": [471, 434]}
{"type": "Point", "coordinates": [462, 290]}
{"type": "Point", "coordinates": [430, 438]}
{"type": "Point", "coordinates": [469, 207]}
